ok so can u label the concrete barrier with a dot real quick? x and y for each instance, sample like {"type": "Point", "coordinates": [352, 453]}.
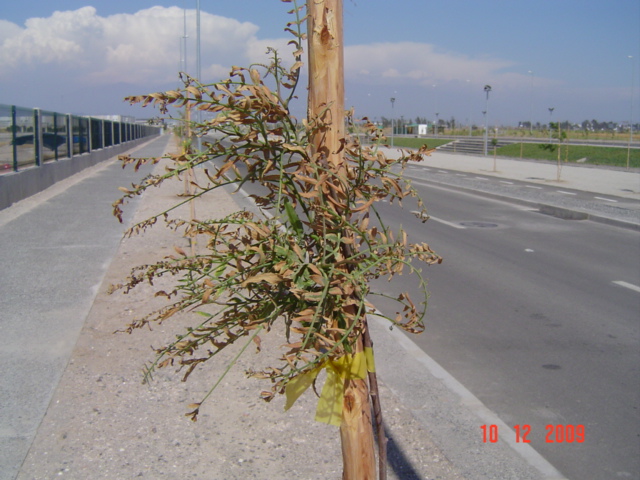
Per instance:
{"type": "Point", "coordinates": [16, 186]}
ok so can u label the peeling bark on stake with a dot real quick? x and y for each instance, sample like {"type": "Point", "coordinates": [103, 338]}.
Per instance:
{"type": "Point", "coordinates": [326, 99]}
{"type": "Point", "coordinates": [356, 432]}
{"type": "Point", "coordinates": [326, 76]}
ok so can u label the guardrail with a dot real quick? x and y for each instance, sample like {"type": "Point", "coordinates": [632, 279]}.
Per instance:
{"type": "Point", "coordinates": [33, 137]}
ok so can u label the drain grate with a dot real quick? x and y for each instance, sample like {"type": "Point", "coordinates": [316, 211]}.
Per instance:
{"type": "Point", "coordinates": [551, 366]}
{"type": "Point", "coordinates": [479, 224]}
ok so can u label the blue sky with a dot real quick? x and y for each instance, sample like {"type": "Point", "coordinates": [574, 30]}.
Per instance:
{"type": "Point", "coordinates": [432, 56]}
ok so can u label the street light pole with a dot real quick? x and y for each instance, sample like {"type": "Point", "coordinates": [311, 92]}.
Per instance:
{"type": "Point", "coordinates": [198, 72]}
{"type": "Point", "coordinates": [487, 89]}
{"type": "Point", "coordinates": [435, 109]}
{"type": "Point", "coordinates": [469, 120]}
{"type": "Point", "coordinates": [198, 69]}
{"type": "Point", "coordinates": [184, 37]}
{"type": "Point", "coordinates": [531, 106]}
{"type": "Point", "coordinates": [393, 100]}
{"type": "Point", "coordinates": [633, 71]}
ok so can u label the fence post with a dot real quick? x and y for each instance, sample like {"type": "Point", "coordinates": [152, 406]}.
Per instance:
{"type": "Point", "coordinates": [89, 133]}
{"type": "Point", "coordinates": [55, 132]}
{"type": "Point", "coordinates": [14, 137]}
{"type": "Point", "coordinates": [37, 136]}
{"type": "Point", "coordinates": [69, 135]}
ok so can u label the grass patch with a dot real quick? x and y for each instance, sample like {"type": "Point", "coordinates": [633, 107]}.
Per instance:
{"type": "Point", "coordinates": [613, 156]}
{"type": "Point", "coordinates": [418, 142]}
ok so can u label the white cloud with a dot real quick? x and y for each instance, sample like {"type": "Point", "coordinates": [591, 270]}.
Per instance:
{"type": "Point", "coordinates": [421, 64]}
{"type": "Point", "coordinates": [63, 38]}
{"type": "Point", "coordinates": [78, 60]}
{"type": "Point", "coordinates": [145, 48]}
{"type": "Point", "coordinates": [8, 30]}
{"type": "Point", "coordinates": [257, 48]}
{"type": "Point", "coordinates": [132, 48]}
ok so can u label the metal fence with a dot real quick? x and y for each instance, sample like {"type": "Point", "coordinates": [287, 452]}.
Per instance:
{"type": "Point", "coordinates": [32, 137]}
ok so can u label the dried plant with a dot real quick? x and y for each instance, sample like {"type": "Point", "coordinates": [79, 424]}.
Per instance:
{"type": "Point", "coordinates": [305, 264]}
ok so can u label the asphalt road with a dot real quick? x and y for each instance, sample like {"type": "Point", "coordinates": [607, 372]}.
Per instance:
{"type": "Point", "coordinates": [538, 317]}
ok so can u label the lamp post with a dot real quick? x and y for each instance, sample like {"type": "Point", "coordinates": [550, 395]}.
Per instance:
{"type": "Point", "coordinates": [487, 89]}
{"type": "Point", "coordinates": [198, 72]}
{"type": "Point", "coordinates": [187, 110]}
{"type": "Point", "coordinates": [393, 100]}
{"type": "Point", "coordinates": [633, 71]}
{"type": "Point", "coordinates": [469, 120]}
{"type": "Point", "coordinates": [198, 69]}
{"type": "Point", "coordinates": [531, 106]}
{"type": "Point", "coordinates": [435, 109]}
{"type": "Point", "coordinates": [184, 37]}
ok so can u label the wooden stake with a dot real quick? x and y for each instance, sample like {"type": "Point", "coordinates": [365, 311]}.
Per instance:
{"type": "Point", "coordinates": [326, 103]}
{"type": "Point", "coordinates": [356, 432]}
{"type": "Point", "coordinates": [326, 76]}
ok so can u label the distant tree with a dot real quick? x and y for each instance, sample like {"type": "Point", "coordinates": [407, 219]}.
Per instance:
{"type": "Point", "coordinates": [561, 137]}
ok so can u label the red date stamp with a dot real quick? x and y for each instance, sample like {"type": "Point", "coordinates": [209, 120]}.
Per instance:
{"type": "Point", "coordinates": [554, 433]}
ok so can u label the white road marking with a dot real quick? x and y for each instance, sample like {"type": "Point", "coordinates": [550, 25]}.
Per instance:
{"type": "Point", "coordinates": [630, 286]}
{"type": "Point", "coordinates": [533, 186]}
{"type": "Point", "coordinates": [528, 250]}
{"type": "Point", "coordinates": [504, 181]}
{"type": "Point", "coordinates": [606, 199]}
{"type": "Point", "coordinates": [444, 222]}
{"type": "Point", "coordinates": [481, 178]}
{"type": "Point", "coordinates": [566, 193]}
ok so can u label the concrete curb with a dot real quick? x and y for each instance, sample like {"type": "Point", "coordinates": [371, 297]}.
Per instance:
{"type": "Point", "coordinates": [555, 211]}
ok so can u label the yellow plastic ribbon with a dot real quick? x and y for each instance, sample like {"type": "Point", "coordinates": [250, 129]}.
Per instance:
{"type": "Point", "coordinates": [347, 367]}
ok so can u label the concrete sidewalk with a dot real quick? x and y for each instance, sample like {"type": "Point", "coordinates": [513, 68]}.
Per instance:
{"type": "Point", "coordinates": [606, 195]}
{"type": "Point", "coordinates": [72, 401]}
{"type": "Point", "coordinates": [617, 182]}
{"type": "Point", "coordinates": [57, 247]}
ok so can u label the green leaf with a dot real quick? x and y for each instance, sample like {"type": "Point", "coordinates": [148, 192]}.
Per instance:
{"type": "Point", "coordinates": [294, 220]}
